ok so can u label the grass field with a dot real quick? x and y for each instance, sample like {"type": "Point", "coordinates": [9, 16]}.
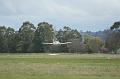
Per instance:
{"type": "Point", "coordinates": [62, 66]}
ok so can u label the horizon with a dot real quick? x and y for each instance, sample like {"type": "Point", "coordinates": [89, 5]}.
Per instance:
{"type": "Point", "coordinates": [85, 15]}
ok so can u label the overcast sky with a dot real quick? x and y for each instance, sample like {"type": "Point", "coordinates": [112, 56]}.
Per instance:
{"type": "Point", "coordinates": [83, 15]}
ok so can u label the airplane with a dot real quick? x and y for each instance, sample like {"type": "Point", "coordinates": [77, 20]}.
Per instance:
{"type": "Point", "coordinates": [57, 43]}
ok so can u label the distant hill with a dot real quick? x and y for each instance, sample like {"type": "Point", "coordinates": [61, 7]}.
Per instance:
{"type": "Point", "coordinates": [100, 34]}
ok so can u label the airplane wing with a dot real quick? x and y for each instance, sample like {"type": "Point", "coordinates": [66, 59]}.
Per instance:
{"type": "Point", "coordinates": [48, 43]}
{"type": "Point", "coordinates": [57, 43]}
{"type": "Point", "coordinates": [65, 43]}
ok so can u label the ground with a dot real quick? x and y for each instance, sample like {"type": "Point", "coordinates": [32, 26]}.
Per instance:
{"type": "Point", "coordinates": [59, 66]}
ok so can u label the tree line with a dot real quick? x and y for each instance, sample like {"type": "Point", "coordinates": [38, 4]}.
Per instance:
{"type": "Point", "coordinates": [30, 39]}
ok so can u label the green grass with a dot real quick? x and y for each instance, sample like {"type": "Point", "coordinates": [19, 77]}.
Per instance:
{"type": "Point", "coordinates": [62, 66]}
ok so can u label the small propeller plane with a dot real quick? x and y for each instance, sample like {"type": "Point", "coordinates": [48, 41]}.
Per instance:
{"type": "Point", "coordinates": [57, 43]}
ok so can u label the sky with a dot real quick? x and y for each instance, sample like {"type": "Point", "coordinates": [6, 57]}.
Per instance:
{"type": "Point", "coordinates": [85, 15]}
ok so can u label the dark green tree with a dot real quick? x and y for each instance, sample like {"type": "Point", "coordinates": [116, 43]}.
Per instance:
{"type": "Point", "coordinates": [25, 37]}
{"type": "Point", "coordinates": [59, 35]}
{"type": "Point", "coordinates": [116, 25]}
{"type": "Point", "coordinates": [43, 34]}
{"type": "Point", "coordinates": [70, 34]}
{"type": "Point", "coordinates": [10, 40]}
{"type": "Point", "coordinates": [3, 44]}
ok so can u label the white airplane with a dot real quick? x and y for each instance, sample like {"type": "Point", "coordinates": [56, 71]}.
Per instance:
{"type": "Point", "coordinates": [57, 43]}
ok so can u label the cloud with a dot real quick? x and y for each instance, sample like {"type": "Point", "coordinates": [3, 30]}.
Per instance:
{"type": "Point", "coordinates": [81, 14]}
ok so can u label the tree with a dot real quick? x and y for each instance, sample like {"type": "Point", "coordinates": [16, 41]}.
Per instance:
{"type": "Point", "coordinates": [113, 38]}
{"type": "Point", "coordinates": [59, 35]}
{"type": "Point", "coordinates": [94, 45]}
{"type": "Point", "coordinates": [87, 37]}
{"type": "Point", "coordinates": [113, 41]}
{"type": "Point", "coordinates": [43, 34]}
{"type": "Point", "coordinates": [3, 44]}
{"type": "Point", "coordinates": [116, 25]}
{"type": "Point", "coordinates": [68, 34]}
{"type": "Point", "coordinates": [10, 40]}
{"type": "Point", "coordinates": [25, 35]}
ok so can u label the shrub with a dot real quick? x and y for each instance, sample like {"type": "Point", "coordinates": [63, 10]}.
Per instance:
{"type": "Point", "coordinates": [94, 45]}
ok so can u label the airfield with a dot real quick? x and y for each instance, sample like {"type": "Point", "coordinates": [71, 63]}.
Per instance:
{"type": "Point", "coordinates": [59, 66]}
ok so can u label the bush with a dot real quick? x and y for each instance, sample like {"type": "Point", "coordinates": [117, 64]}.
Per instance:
{"type": "Point", "coordinates": [94, 45]}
